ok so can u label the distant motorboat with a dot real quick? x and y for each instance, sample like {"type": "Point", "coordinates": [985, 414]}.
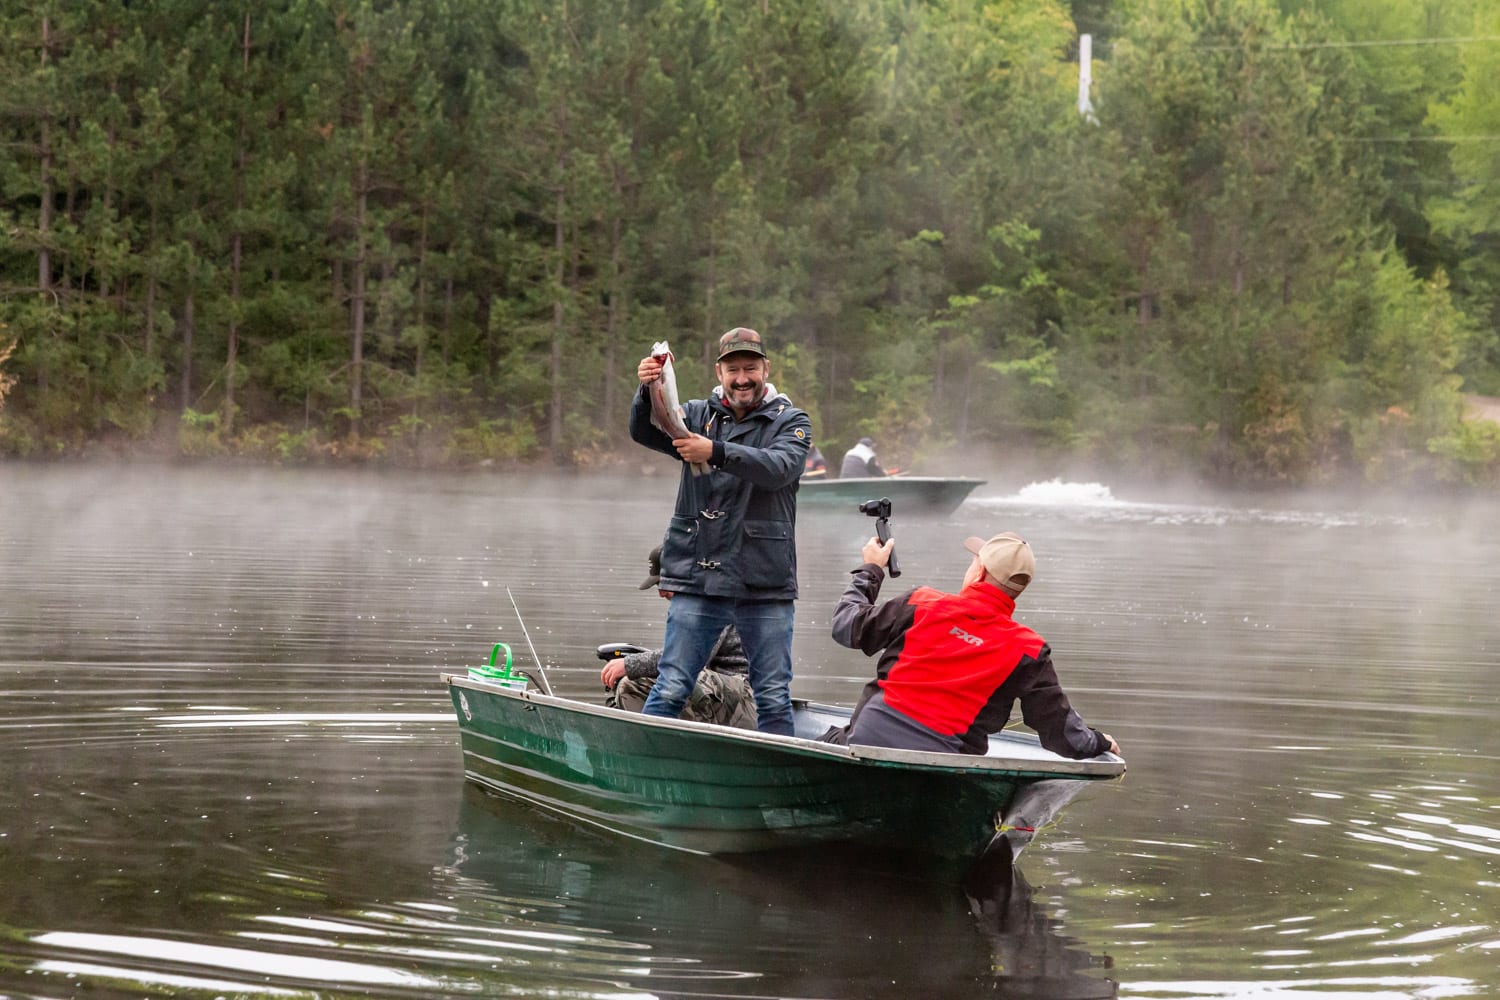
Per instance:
{"type": "Point", "coordinates": [938, 495]}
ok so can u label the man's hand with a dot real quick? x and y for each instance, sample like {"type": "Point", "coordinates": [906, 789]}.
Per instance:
{"type": "Point", "coordinates": [648, 370]}
{"type": "Point", "coordinates": [694, 448]}
{"type": "Point", "coordinates": [1113, 746]}
{"type": "Point", "coordinates": [612, 672]}
{"type": "Point", "coordinates": [878, 552]}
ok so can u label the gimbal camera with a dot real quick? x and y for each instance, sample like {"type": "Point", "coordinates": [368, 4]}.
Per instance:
{"type": "Point", "coordinates": [881, 511]}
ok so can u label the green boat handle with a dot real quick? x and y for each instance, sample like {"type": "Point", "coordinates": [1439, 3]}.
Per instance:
{"type": "Point", "coordinates": [491, 672]}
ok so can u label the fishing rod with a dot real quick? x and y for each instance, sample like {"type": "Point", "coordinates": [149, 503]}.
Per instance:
{"type": "Point", "coordinates": [541, 671]}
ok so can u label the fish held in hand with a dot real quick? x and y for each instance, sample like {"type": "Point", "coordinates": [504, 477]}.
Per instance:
{"type": "Point", "coordinates": [666, 411]}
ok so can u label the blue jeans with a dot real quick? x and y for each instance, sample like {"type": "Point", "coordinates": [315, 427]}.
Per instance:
{"type": "Point", "coordinates": [693, 626]}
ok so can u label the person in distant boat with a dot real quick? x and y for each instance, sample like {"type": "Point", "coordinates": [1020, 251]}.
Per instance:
{"type": "Point", "coordinates": [953, 665]}
{"type": "Point", "coordinates": [816, 466]}
{"type": "Point", "coordinates": [730, 552]}
{"type": "Point", "coordinates": [860, 462]}
{"type": "Point", "coordinates": [722, 692]}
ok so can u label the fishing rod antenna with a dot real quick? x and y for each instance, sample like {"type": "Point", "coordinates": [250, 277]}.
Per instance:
{"type": "Point", "coordinates": [542, 681]}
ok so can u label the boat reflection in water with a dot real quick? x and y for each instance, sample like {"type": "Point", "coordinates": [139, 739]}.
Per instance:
{"type": "Point", "coordinates": [828, 922]}
{"type": "Point", "coordinates": [1030, 953]}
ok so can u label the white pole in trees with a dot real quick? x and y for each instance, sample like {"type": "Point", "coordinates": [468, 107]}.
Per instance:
{"type": "Point", "coordinates": [1085, 75]}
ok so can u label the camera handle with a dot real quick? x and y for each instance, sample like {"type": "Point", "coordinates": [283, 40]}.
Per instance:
{"type": "Point", "coordinates": [883, 532]}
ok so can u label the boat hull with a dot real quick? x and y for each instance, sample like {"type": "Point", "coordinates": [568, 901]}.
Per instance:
{"type": "Point", "coordinates": [714, 790]}
{"type": "Point", "coordinates": [908, 494]}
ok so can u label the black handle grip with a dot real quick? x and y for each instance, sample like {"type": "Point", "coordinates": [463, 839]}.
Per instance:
{"type": "Point", "coordinates": [612, 650]}
{"type": "Point", "coordinates": [883, 532]}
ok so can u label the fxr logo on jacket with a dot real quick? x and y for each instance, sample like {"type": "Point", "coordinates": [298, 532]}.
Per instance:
{"type": "Point", "coordinates": [972, 640]}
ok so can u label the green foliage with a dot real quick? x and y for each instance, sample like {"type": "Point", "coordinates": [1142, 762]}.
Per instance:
{"type": "Point", "coordinates": [7, 347]}
{"type": "Point", "coordinates": [894, 400]}
{"type": "Point", "coordinates": [795, 373]}
{"type": "Point", "coordinates": [493, 440]}
{"type": "Point", "coordinates": [1404, 393]}
{"type": "Point", "coordinates": [298, 446]}
{"type": "Point", "coordinates": [446, 230]}
{"type": "Point", "coordinates": [1468, 116]}
{"type": "Point", "coordinates": [15, 438]}
{"type": "Point", "coordinates": [198, 434]}
{"type": "Point", "coordinates": [18, 438]}
{"type": "Point", "coordinates": [1472, 451]}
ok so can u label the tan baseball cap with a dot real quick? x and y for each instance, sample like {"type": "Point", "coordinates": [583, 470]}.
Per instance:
{"type": "Point", "coordinates": [1006, 558]}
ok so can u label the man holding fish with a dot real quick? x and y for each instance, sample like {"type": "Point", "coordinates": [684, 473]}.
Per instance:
{"type": "Point", "coordinates": [730, 552]}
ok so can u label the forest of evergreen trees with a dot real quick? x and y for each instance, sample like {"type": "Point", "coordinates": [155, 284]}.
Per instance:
{"type": "Point", "coordinates": [443, 232]}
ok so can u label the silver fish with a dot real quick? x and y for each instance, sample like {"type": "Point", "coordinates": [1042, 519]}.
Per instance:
{"type": "Point", "coordinates": [666, 411]}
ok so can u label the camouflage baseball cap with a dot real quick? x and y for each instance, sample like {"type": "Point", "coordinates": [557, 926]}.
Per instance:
{"type": "Point", "coordinates": [740, 340]}
{"type": "Point", "coordinates": [1006, 558]}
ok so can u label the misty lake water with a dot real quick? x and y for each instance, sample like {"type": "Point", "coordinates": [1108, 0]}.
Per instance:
{"type": "Point", "coordinates": [230, 767]}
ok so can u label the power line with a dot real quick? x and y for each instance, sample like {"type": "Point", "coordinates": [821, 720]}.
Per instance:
{"type": "Point", "coordinates": [1425, 138]}
{"type": "Point", "coordinates": [1377, 43]}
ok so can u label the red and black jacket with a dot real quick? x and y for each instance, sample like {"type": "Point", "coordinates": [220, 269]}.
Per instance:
{"type": "Point", "coordinates": [958, 663]}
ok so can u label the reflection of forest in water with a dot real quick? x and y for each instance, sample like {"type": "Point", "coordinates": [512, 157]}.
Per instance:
{"type": "Point", "coordinates": [841, 925]}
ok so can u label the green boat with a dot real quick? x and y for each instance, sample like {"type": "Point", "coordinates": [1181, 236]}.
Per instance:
{"type": "Point", "coordinates": [711, 789]}
{"type": "Point", "coordinates": [936, 495]}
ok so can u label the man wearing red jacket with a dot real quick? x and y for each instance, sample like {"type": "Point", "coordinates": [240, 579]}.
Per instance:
{"type": "Point", "coordinates": [953, 665]}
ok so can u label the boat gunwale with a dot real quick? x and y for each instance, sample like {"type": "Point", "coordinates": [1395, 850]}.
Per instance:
{"type": "Point", "coordinates": [914, 495]}
{"type": "Point", "coordinates": [1105, 766]}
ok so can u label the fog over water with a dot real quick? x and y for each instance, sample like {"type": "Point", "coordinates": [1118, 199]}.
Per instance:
{"type": "Point", "coordinates": [231, 767]}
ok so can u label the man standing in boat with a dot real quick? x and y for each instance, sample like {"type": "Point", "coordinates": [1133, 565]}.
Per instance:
{"type": "Point", "coordinates": [730, 552]}
{"type": "Point", "coordinates": [952, 665]}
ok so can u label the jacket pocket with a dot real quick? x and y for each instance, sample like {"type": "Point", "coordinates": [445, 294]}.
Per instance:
{"type": "Point", "coordinates": [766, 555]}
{"type": "Point", "coordinates": [679, 549]}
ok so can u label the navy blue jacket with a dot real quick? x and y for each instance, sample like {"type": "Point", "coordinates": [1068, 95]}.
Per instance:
{"type": "Point", "coordinates": [733, 532]}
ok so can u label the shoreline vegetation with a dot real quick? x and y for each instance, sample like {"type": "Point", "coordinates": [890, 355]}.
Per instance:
{"type": "Point", "coordinates": [441, 233]}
